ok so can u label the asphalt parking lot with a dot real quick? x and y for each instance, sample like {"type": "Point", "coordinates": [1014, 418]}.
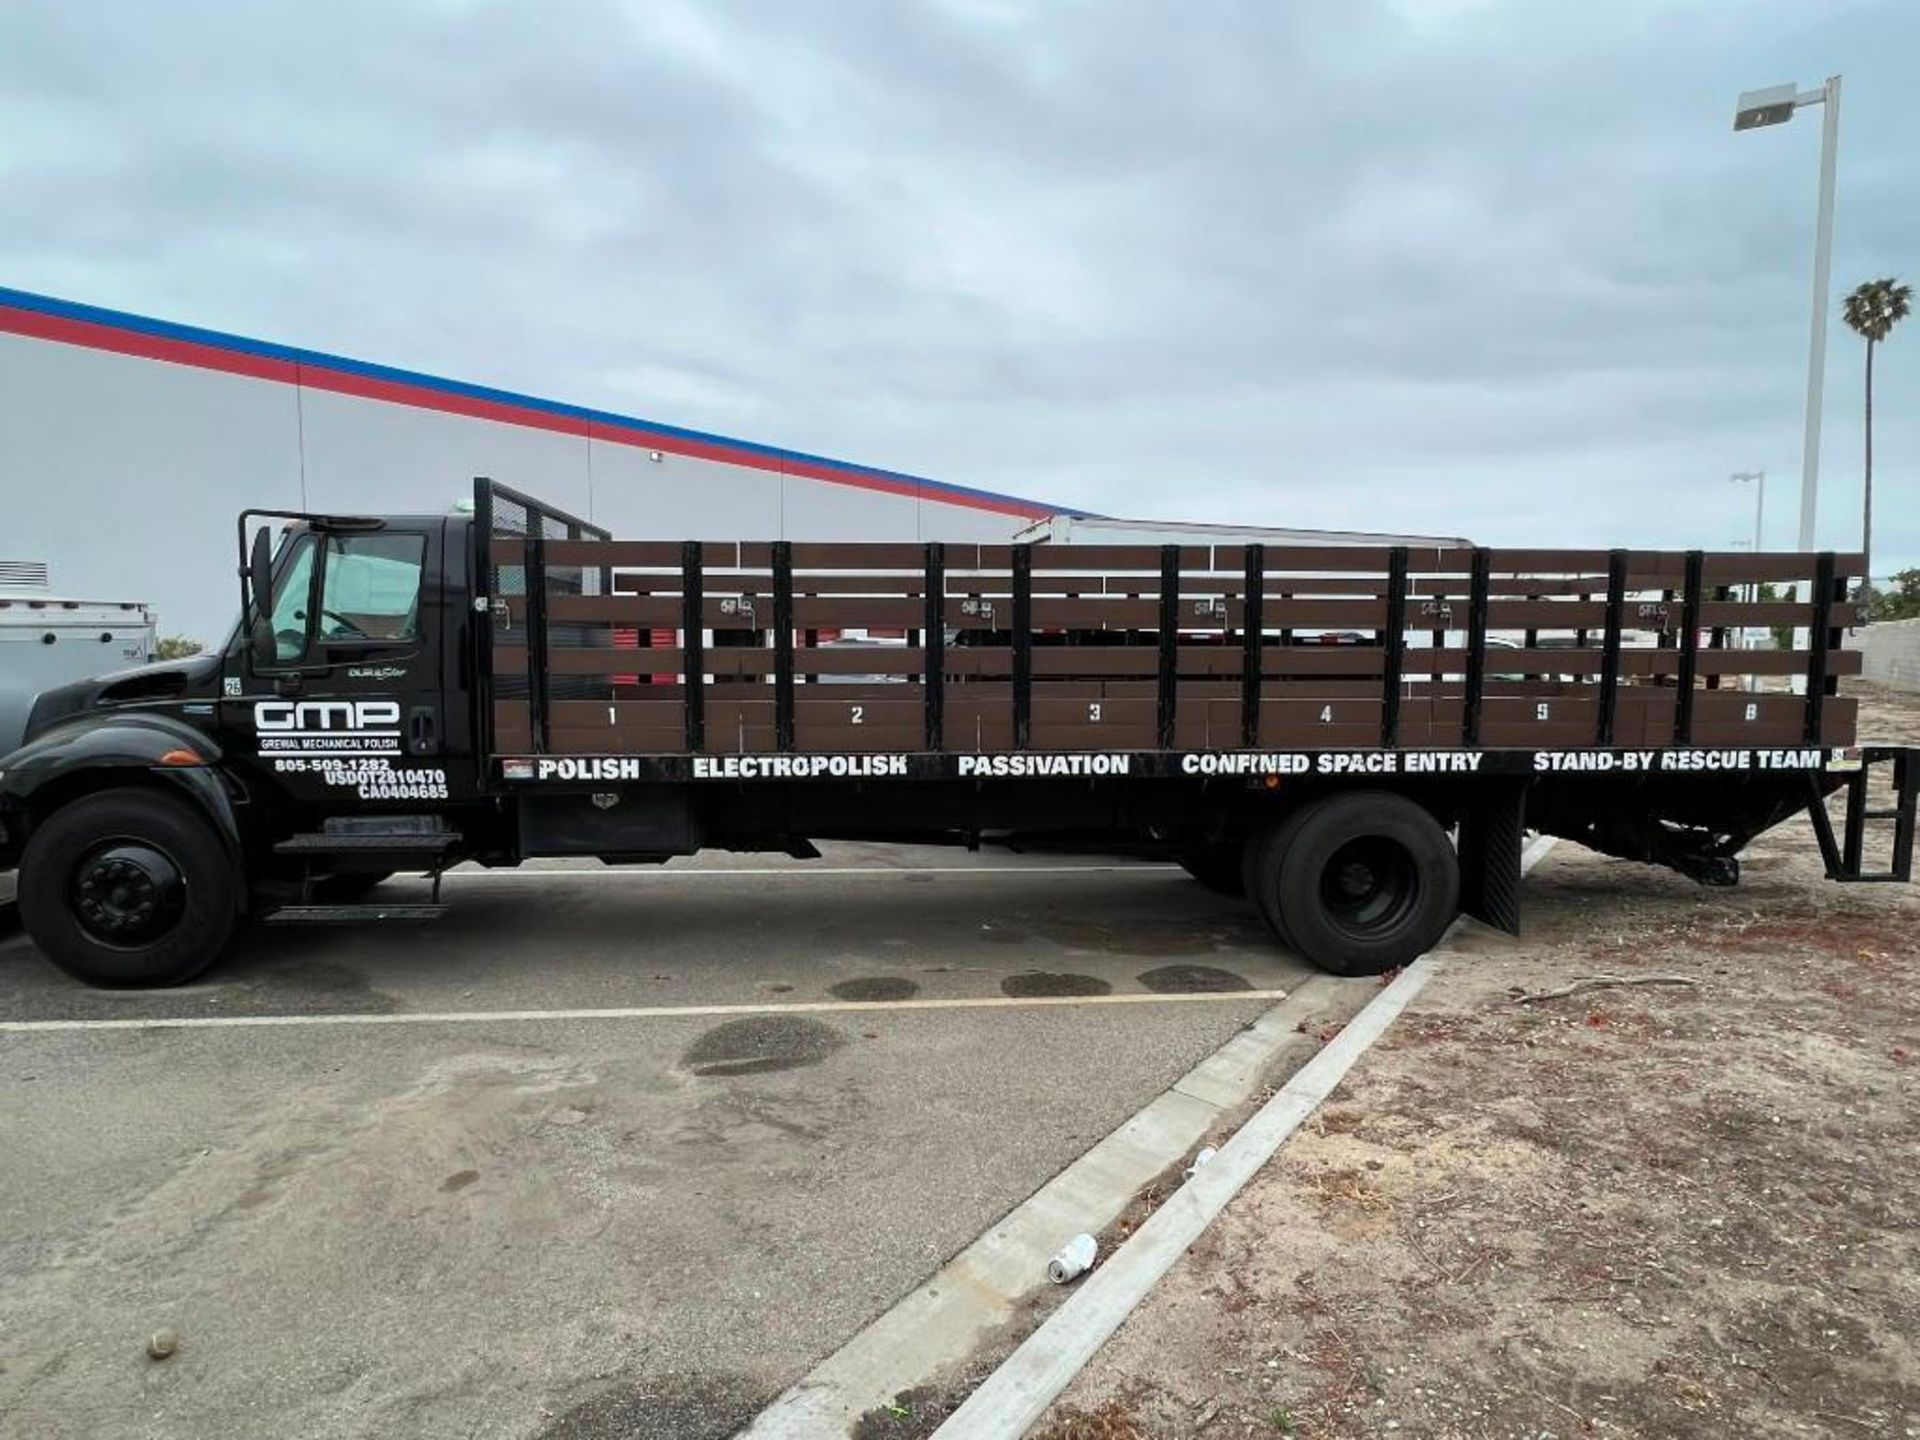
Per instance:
{"type": "Point", "coordinates": [370, 1217]}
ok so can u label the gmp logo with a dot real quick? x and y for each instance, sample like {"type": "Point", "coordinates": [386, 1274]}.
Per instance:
{"type": "Point", "coordinates": [327, 717]}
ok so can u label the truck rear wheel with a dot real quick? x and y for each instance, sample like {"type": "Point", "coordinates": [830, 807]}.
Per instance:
{"type": "Point", "coordinates": [128, 888]}
{"type": "Point", "coordinates": [1265, 851]}
{"type": "Point", "coordinates": [1358, 883]}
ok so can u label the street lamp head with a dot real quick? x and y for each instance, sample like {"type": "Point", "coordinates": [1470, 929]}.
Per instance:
{"type": "Point", "coordinates": [1771, 106]}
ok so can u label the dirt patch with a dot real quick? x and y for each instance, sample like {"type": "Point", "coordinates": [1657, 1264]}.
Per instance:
{"type": "Point", "coordinates": [875, 988]}
{"type": "Point", "coordinates": [1115, 1420]}
{"type": "Point", "coordinates": [1675, 1211]}
{"type": "Point", "coordinates": [1193, 980]}
{"type": "Point", "coordinates": [917, 1413]}
{"type": "Point", "coordinates": [669, 1408]}
{"type": "Point", "coordinates": [1043, 983]}
{"type": "Point", "coordinates": [1146, 935]}
{"type": "Point", "coordinates": [761, 1044]}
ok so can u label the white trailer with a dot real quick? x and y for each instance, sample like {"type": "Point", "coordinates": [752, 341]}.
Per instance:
{"type": "Point", "coordinates": [48, 640]}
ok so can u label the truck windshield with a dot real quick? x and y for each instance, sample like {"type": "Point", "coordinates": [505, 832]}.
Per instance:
{"type": "Point", "coordinates": [369, 591]}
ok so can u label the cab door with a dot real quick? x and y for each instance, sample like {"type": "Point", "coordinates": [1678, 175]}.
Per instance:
{"type": "Point", "coordinates": [352, 706]}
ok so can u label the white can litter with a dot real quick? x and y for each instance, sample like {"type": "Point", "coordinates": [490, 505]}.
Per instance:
{"type": "Point", "coordinates": [1074, 1259]}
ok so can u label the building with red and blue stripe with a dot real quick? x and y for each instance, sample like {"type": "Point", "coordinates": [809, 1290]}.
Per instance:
{"type": "Point", "coordinates": [128, 444]}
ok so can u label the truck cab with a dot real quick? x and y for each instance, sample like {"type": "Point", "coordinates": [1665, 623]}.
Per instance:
{"type": "Point", "coordinates": [342, 690]}
{"type": "Point", "coordinates": [329, 743]}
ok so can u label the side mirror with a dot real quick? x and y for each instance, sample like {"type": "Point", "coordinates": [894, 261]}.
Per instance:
{"type": "Point", "coordinates": [260, 580]}
{"type": "Point", "coordinates": [261, 642]}
{"type": "Point", "coordinates": [260, 573]}
{"type": "Point", "coordinates": [263, 646]}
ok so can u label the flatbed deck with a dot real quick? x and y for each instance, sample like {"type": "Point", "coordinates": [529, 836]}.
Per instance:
{"type": "Point", "coordinates": [602, 647]}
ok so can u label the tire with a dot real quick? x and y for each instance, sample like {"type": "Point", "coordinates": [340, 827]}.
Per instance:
{"type": "Point", "coordinates": [1214, 865]}
{"type": "Point", "coordinates": [128, 888]}
{"type": "Point", "coordinates": [1260, 863]}
{"type": "Point", "coordinates": [1367, 881]}
{"type": "Point", "coordinates": [345, 889]}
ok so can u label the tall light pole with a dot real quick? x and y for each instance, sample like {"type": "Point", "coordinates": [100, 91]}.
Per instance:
{"type": "Point", "coordinates": [1742, 639]}
{"type": "Point", "coordinates": [1776, 105]}
{"type": "Point", "coordinates": [1756, 478]}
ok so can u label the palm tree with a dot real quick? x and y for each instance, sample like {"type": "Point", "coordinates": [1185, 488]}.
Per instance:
{"type": "Point", "coordinates": [1872, 310]}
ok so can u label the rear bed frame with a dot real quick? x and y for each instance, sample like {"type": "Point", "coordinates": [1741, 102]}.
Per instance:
{"type": "Point", "coordinates": [690, 661]}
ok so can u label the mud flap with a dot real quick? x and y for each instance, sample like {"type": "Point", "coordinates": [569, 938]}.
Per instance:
{"type": "Point", "coordinates": [1491, 835]}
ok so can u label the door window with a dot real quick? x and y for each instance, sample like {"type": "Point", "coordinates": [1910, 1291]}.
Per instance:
{"type": "Point", "coordinates": [370, 588]}
{"type": "Point", "coordinates": [290, 595]}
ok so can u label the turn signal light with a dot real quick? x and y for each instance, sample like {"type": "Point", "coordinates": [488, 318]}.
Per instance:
{"type": "Point", "coordinates": [179, 757]}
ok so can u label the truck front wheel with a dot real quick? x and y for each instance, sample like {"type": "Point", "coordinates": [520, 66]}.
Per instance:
{"type": "Point", "coordinates": [128, 888]}
{"type": "Point", "coordinates": [1361, 883]}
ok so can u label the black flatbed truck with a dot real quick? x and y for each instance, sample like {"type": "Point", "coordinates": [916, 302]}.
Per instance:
{"type": "Point", "coordinates": [406, 693]}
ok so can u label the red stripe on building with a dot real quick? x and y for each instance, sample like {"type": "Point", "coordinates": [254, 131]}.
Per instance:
{"type": "Point", "coordinates": [146, 347]}
{"type": "Point", "coordinates": [92, 336]}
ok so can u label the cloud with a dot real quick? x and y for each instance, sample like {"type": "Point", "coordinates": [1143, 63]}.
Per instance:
{"type": "Point", "coordinates": [1486, 268]}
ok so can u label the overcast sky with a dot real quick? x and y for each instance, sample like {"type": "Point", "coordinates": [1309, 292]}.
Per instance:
{"type": "Point", "coordinates": [1497, 269]}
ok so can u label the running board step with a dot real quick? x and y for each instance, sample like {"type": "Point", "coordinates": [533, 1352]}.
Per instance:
{"type": "Point", "coordinates": [400, 843]}
{"type": "Point", "coordinates": [351, 914]}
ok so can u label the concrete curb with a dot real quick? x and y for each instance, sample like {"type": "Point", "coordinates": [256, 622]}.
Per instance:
{"type": "Point", "coordinates": [1017, 1394]}
{"type": "Point", "coordinates": [946, 1318]}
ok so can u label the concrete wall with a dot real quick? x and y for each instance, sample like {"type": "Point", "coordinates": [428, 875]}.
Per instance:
{"type": "Point", "coordinates": [1892, 652]}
